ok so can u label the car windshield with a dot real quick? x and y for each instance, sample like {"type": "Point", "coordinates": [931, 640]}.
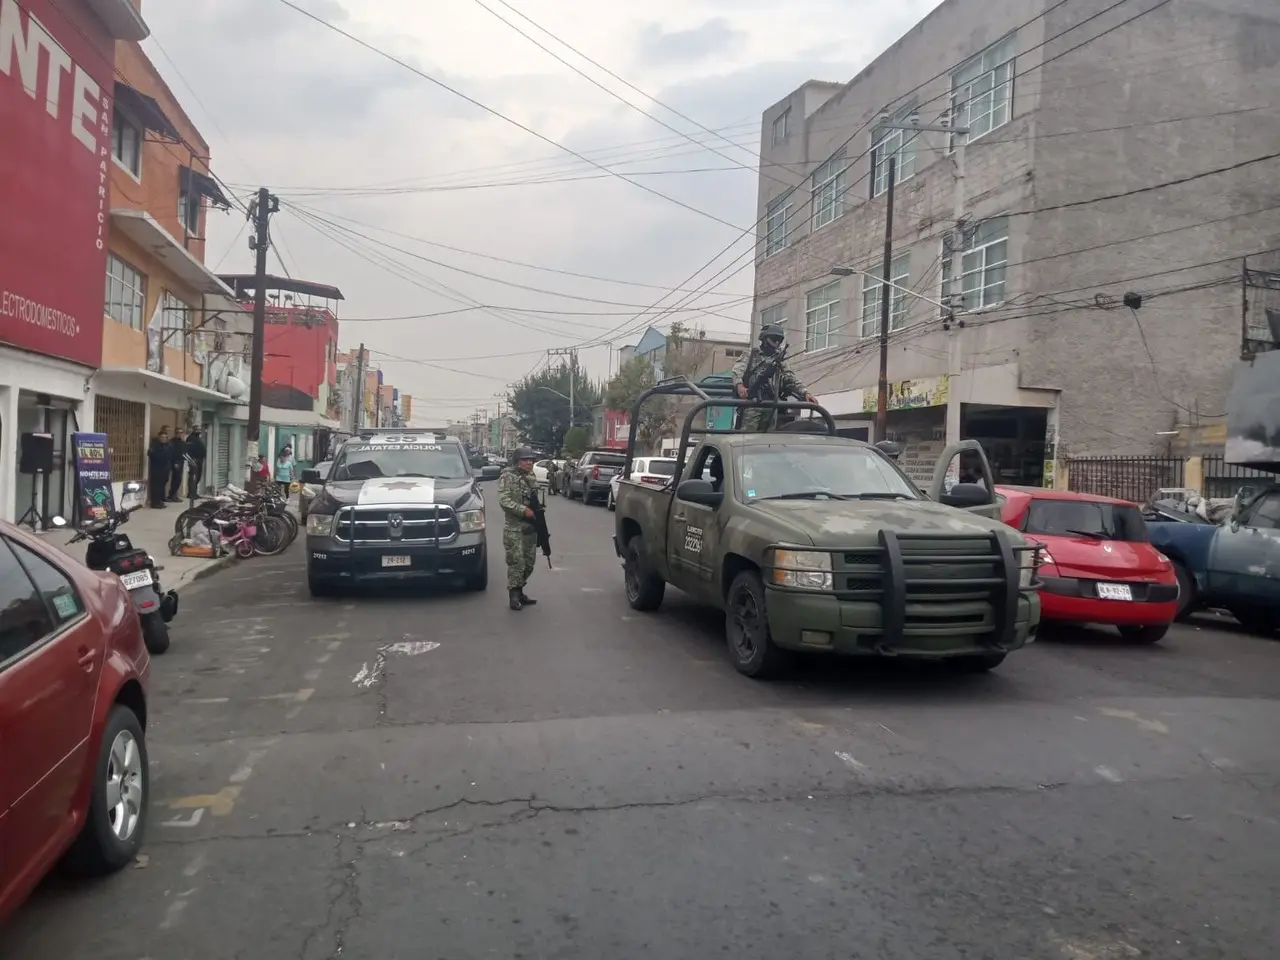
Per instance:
{"type": "Point", "coordinates": [368, 461]}
{"type": "Point", "coordinates": [820, 473]}
{"type": "Point", "coordinates": [1086, 518]}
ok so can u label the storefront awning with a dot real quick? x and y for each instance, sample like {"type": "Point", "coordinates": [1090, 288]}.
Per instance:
{"type": "Point", "coordinates": [307, 419]}
{"type": "Point", "coordinates": [142, 229]}
{"type": "Point", "coordinates": [145, 111]}
{"type": "Point", "coordinates": [194, 183]}
{"type": "Point", "coordinates": [121, 18]}
{"type": "Point", "coordinates": [138, 384]}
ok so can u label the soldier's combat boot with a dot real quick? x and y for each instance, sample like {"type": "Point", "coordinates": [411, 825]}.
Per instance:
{"type": "Point", "coordinates": [526, 601]}
{"type": "Point", "coordinates": [516, 603]}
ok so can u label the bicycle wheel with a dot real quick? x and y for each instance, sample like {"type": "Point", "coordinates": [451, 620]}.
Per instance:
{"type": "Point", "coordinates": [192, 515]}
{"type": "Point", "coordinates": [272, 536]}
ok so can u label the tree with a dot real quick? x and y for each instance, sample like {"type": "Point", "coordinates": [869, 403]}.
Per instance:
{"type": "Point", "coordinates": [686, 352]}
{"type": "Point", "coordinates": [540, 404]}
{"type": "Point", "coordinates": [575, 442]}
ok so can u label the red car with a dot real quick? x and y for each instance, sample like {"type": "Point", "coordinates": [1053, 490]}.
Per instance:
{"type": "Point", "coordinates": [73, 686]}
{"type": "Point", "coordinates": [1098, 566]}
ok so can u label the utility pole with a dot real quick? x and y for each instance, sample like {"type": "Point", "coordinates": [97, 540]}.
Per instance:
{"type": "Point", "coordinates": [572, 354]}
{"type": "Point", "coordinates": [886, 307]}
{"type": "Point", "coordinates": [265, 205]}
{"type": "Point", "coordinates": [359, 392]}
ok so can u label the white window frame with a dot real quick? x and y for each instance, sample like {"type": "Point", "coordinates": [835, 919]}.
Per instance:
{"type": "Point", "coordinates": [872, 283]}
{"type": "Point", "coordinates": [189, 205]}
{"type": "Point", "coordinates": [890, 142]}
{"type": "Point", "coordinates": [827, 186]}
{"type": "Point", "coordinates": [173, 316]}
{"type": "Point", "coordinates": [781, 125]}
{"type": "Point", "coordinates": [121, 128]}
{"type": "Point", "coordinates": [126, 293]}
{"type": "Point", "coordinates": [776, 314]}
{"type": "Point", "coordinates": [777, 224]}
{"type": "Point", "coordinates": [991, 74]}
{"type": "Point", "coordinates": [984, 262]}
{"type": "Point", "coordinates": [821, 308]}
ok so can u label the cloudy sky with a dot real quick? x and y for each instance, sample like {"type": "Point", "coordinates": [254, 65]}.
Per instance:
{"type": "Point", "coordinates": [411, 199]}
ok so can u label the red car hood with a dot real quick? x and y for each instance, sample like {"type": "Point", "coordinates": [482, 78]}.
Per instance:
{"type": "Point", "coordinates": [1105, 559]}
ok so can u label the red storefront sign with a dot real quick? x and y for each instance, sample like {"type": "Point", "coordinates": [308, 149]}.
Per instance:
{"type": "Point", "coordinates": [56, 92]}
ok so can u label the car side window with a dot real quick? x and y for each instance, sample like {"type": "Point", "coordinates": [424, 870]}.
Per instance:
{"type": "Point", "coordinates": [1266, 515]}
{"type": "Point", "coordinates": [25, 619]}
{"type": "Point", "coordinates": [58, 592]}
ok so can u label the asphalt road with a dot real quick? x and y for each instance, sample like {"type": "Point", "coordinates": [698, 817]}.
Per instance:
{"type": "Point", "coordinates": [439, 778]}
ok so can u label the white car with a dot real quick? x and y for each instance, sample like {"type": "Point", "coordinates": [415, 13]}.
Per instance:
{"type": "Point", "coordinates": [654, 470]}
{"type": "Point", "coordinates": [540, 471]}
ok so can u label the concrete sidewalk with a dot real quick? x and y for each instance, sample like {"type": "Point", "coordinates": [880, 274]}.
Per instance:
{"type": "Point", "coordinates": [151, 530]}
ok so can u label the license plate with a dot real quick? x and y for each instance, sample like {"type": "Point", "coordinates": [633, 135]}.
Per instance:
{"type": "Point", "coordinates": [134, 581]}
{"type": "Point", "coordinates": [1114, 591]}
{"type": "Point", "coordinates": [395, 561]}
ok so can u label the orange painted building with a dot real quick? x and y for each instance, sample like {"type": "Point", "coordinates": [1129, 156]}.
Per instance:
{"type": "Point", "coordinates": [166, 315]}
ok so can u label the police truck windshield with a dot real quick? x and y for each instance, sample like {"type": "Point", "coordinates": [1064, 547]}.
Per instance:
{"type": "Point", "coordinates": [413, 458]}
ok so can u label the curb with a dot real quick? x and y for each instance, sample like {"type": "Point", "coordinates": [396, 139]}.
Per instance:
{"type": "Point", "coordinates": [207, 570]}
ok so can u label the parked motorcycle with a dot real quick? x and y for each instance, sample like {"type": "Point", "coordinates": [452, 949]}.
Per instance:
{"type": "Point", "coordinates": [111, 550]}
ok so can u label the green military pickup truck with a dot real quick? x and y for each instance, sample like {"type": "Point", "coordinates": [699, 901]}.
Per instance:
{"type": "Point", "coordinates": [817, 543]}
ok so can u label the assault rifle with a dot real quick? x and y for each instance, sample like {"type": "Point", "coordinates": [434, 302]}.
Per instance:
{"type": "Point", "coordinates": [764, 377]}
{"type": "Point", "coordinates": [539, 523]}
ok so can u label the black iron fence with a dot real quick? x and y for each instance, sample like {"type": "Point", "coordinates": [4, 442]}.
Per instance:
{"type": "Point", "coordinates": [1222, 479]}
{"type": "Point", "coordinates": [1126, 478]}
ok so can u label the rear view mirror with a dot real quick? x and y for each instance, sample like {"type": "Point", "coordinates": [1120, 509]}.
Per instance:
{"type": "Point", "coordinates": [965, 495]}
{"type": "Point", "coordinates": [700, 492]}
{"type": "Point", "coordinates": [311, 476]}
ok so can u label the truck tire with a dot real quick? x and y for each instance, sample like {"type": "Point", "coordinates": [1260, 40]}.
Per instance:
{"type": "Point", "coordinates": [1256, 620]}
{"type": "Point", "coordinates": [645, 589]}
{"type": "Point", "coordinates": [479, 580]}
{"type": "Point", "coordinates": [320, 588]}
{"type": "Point", "coordinates": [1186, 593]}
{"type": "Point", "coordinates": [1149, 634]}
{"type": "Point", "coordinates": [979, 662]}
{"type": "Point", "coordinates": [746, 627]}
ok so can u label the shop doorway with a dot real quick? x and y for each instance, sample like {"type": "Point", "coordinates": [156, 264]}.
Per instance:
{"type": "Point", "coordinates": [1013, 439]}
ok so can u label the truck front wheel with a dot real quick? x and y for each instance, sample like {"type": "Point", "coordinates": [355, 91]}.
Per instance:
{"type": "Point", "coordinates": [746, 626]}
{"type": "Point", "coordinates": [645, 589]}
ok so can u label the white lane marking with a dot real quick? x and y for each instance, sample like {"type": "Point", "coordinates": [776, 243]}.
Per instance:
{"type": "Point", "coordinates": [173, 914]}
{"type": "Point", "coordinates": [334, 645]}
{"type": "Point", "coordinates": [1106, 773]}
{"type": "Point", "coordinates": [849, 761]}
{"type": "Point", "coordinates": [367, 676]}
{"type": "Point", "coordinates": [592, 589]}
{"type": "Point", "coordinates": [195, 866]}
{"type": "Point", "coordinates": [1154, 726]}
{"type": "Point", "coordinates": [188, 822]}
{"type": "Point", "coordinates": [208, 700]}
{"type": "Point", "coordinates": [411, 648]}
{"type": "Point", "coordinates": [246, 769]}
{"type": "Point", "coordinates": [311, 676]}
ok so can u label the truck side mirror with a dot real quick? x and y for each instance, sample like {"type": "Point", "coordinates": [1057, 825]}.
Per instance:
{"type": "Point", "coordinates": [965, 495]}
{"type": "Point", "coordinates": [311, 476]}
{"type": "Point", "coordinates": [700, 492]}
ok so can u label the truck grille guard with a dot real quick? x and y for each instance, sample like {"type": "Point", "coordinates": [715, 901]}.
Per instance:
{"type": "Point", "coordinates": [968, 579]}
{"type": "Point", "coordinates": [411, 525]}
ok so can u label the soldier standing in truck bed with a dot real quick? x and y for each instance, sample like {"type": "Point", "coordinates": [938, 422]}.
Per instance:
{"type": "Point", "coordinates": [762, 374]}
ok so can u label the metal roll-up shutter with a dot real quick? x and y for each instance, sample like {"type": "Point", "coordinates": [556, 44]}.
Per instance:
{"type": "Point", "coordinates": [222, 458]}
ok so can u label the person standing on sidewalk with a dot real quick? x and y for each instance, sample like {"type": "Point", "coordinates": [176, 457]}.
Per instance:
{"type": "Point", "coordinates": [519, 540]}
{"type": "Point", "coordinates": [159, 464]}
{"type": "Point", "coordinates": [197, 452]}
{"type": "Point", "coordinates": [177, 466]}
{"type": "Point", "coordinates": [284, 471]}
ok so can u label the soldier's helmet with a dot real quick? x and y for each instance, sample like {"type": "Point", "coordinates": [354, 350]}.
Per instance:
{"type": "Point", "coordinates": [771, 336]}
{"type": "Point", "coordinates": [523, 453]}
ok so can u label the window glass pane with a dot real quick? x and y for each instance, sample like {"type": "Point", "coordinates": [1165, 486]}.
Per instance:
{"type": "Point", "coordinates": [24, 618]}
{"type": "Point", "coordinates": [52, 584]}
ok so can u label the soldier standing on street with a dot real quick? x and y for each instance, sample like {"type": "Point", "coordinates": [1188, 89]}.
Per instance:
{"type": "Point", "coordinates": [519, 540]}
{"type": "Point", "coordinates": [781, 385]}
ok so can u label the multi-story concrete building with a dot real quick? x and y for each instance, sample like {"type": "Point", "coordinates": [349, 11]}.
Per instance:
{"type": "Point", "coordinates": [1089, 230]}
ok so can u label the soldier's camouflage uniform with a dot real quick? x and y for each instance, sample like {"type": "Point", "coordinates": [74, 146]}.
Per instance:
{"type": "Point", "coordinates": [519, 540]}
{"type": "Point", "coordinates": [757, 420]}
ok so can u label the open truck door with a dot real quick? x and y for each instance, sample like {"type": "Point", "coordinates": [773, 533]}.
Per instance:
{"type": "Point", "coordinates": [962, 478]}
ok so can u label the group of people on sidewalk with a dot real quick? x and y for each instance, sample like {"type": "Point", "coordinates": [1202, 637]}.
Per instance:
{"type": "Point", "coordinates": [166, 459]}
{"type": "Point", "coordinates": [167, 456]}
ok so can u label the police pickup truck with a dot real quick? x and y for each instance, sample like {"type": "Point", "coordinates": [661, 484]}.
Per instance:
{"type": "Point", "coordinates": [396, 506]}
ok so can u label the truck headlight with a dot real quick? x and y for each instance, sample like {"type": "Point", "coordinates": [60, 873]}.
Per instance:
{"type": "Point", "coordinates": [1027, 560]}
{"type": "Point", "coordinates": [802, 569]}
{"type": "Point", "coordinates": [319, 524]}
{"type": "Point", "coordinates": [471, 521]}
